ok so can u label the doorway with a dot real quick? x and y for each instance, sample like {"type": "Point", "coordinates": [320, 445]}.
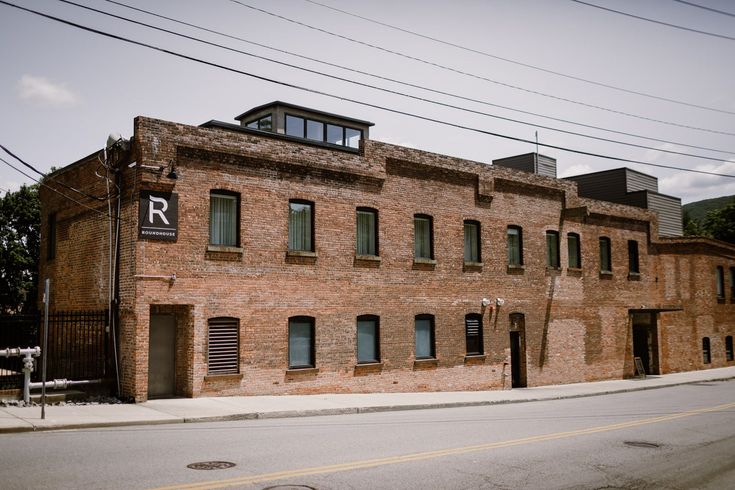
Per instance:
{"type": "Point", "coordinates": [645, 340]}
{"type": "Point", "coordinates": [518, 350]}
{"type": "Point", "coordinates": [162, 356]}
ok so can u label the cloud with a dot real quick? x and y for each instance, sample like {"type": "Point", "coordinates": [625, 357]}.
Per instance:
{"type": "Point", "coordinates": [694, 187]}
{"type": "Point", "coordinates": [44, 92]}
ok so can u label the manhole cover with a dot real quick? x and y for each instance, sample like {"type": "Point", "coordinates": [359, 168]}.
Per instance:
{"type": "Point", "coordinates": [211, 465]}
{"type": "Point", "coordinates": [290, 487]}
{"type": "Point", "coordinates": [650, 445]}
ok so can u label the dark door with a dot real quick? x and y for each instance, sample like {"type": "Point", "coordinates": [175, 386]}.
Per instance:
{"type": "Point", "coordinates": [162, 356]}
{"type": "Point", "coordinates": [517, 360]}
{"type": "Point", "coordinates": [645, 341]}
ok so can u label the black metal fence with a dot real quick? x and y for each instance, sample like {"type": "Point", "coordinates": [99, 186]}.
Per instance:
{"type": "Point", "coordinates": [77, 345]}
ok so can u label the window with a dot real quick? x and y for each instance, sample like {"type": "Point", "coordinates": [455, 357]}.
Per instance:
{"type": "Point", "coordinates": [515, 246]}
{"type": "Point", "coordinates": [295, 126]}
{"type": "Point", "coordinates": [605, 255]}
{"type": "Point", "coordinates": [301, 342]}
{"type": "Point", "coordinates": [473, 333]}
{"type": "Point", "coordinates": [368, 339]}
{"type": "Point", "coordinates": [367, 232]}
{"type": "Point", "coordinates": [728, 348]}
{"type": "Point", "coordinates": [425, 337]}
{"type": "Point", "coordinates": [634, 266]}
{"type": "Point", "coordinates": [732, 284]}
{"type": "Point", "coordinates": [51, 239]}
{"type": "Point", "coordinates": [223, 218]}
{"type": "Point", "coordinates": [320, 131]}
{"type": "Point", "coordinates": [552, 249]}
{"type": "Point", "coordinates": [423, 240]}
{"type": "Point", "coordinates": [223, 346]}
{"type": "Point", "coordinates": [335, 134]}
{"type": "Point", "coordinates": [720, 273]}
{"type": "Point", "coordinates": [352, 137]}
{"type": "Point", "coordinates": [314, 130]}
{"type": "Point", "coordinates": [472, 251]}
{"type": "Point", "coordinates": [300, 226]}
{"type": "Point", "coordinates": [574, 251]}
{"type": "Point", "coordinates": [706, 356]}
{"type": "Point", "coordinates": [265, 123]}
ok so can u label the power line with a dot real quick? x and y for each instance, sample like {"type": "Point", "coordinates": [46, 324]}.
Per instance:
{"type": "Point", "coordinates": [700, 7]}
{"type": "Point", "coordinates": [479, 77]}
{"type": "Point", "coordinates": [521, 63]}
{"type": "Point", "coordinates": [354, 101]}
{"type": "Point", "coordinates": [393, 92]}
{"type": "Point", "coordinates": [393, 80]}
{"type": "Point", "coordinates": [683, 28]}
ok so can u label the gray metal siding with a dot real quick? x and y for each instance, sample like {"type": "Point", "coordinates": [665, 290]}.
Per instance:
{"type": "Point", "coordinates": [636, 181]}
{"type": "Point", "coordinates": [531, 163]}
{"type": "Point", "coordinates": [605, 186]}
{"type": "Point", "coordinates": [669, 213]}
{"type": "Point", "coordinates": [546, 166]}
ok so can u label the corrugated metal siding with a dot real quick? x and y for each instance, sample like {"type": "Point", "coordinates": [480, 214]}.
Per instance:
{"type": "Point", "coordinates": [518, 162]}
{"type": "Point", "coordinates": [636, 181]}
{"type": "Point", "coordinates": [546, 166]}
{"type": "Point", "coordinates": [638, 199]}
{"type": "Point", "coordinates": [669, 213]}
{"type": "Point", "coordinates": [605, 186]}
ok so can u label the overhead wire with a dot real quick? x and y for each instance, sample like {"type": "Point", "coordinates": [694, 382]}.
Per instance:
{"type": "Point", "coordinates": [692, 4]}
{"type": "Point", "coordinates": [478, 77]}
{"type": "Point", "coordinates": [390, 91]}
{"type": "Point", "coordinates": [675, 26]}
{"type": "Point", "coordinates": [352, 100]}
{"type": "Point", "coordinates": [519, 63]}
{"type": "Point", "coordinates": [408, 84]}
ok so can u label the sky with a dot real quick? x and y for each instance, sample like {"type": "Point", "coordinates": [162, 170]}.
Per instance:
{"type": "Point", "coordinates": [63, 90]}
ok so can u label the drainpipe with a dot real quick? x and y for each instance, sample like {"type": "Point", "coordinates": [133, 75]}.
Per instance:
{"type": "Point", "coordinates": [28, 355]}
{"type": "Point", "coordinates": [61, 384]}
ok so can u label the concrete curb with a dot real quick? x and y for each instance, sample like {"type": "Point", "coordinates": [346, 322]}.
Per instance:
{"type": "Point", "coordinates": [31, 427]}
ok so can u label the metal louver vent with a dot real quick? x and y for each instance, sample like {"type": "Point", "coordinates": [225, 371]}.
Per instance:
{"type": "Point", "coordinates": [473, 327]}
{"type": "Point", "coordinates": [223, 346]}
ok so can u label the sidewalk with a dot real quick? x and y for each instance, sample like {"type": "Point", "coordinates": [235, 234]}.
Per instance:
{"type": "Point", "coordinates": [183, 410]}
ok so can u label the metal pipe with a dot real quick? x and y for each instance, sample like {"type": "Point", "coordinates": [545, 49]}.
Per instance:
{"type": "Point", "coordinates": [19, 351]}
{"type": "Point", "coordinates": [28, 354]}
{"type": "Point", "coordinates": [60, 384]}
{"type": "Point", "coordinates": [171, 277]}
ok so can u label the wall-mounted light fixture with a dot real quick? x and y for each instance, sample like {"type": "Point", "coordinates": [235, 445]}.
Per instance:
{"type": "Point", "coordinates": [485, 302]}
{"type": "Point", "coordinates": [172, 173]}
{"type": "Point", "coordinates": [499, 301]}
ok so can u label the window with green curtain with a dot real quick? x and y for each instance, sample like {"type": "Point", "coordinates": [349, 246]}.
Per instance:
{"type": "Point", "coordinates": [574, 251]}
{"type": "Point", "coordinates": [301, 342]}
{"type": "Point", "coordinates": [367, 232]}
{"type": "Point", "coordinates": [720, 277]}
{"type": "Point", "coordinates": [515, 245]}
{"type": "Point", "coordinates": [300, 224]}
{"type": "Point", "coordinates": [368, 349]}
{"type": "Point", "coordinates": [422, 237]}
{"type": "Point", "coordinates": [472, 241]}
{"type": "Point", "coordinates": [223, 219]}
{"type": "Point", "coordinates": [552, 249]}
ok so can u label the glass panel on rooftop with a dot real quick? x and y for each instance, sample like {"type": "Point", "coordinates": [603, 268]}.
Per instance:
{"type": "Point", "coordinates": [353, 137]}
{"type": "Point", "coordinates": [295, 126]}
{"type": "Point", "coordinates": [314, 130]}
{"type": "Point", "coordinates": [334, 134]}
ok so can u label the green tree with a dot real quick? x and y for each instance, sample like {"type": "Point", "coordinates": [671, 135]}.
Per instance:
{"type": "Point", "coordinates": [20, 233]}
{"type": "Point", "coordinates": [692, 227]}
{"type": "Point", "coordinates": [720, 223]}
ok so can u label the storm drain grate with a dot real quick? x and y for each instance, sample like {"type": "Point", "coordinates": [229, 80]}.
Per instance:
{"type": "Point", "coordinates": [211, 465]}
{"type": "Point", "coordinates": [649, 445]}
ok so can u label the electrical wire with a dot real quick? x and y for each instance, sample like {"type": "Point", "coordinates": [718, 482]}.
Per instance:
{"type": "Point", "coordinates": [348, 99]}
{"type": "Point", "coordinates": [420, 87]}
{"type": "Point", "coordinates": [675, 26]}
{"type": "Point", "coordinates": [393, 92]}
{"type": "Point", "coordinates": [700, 7]}
{"type": "Point", "coordinates": [520, 63]}
{"type": "Point", "coordinates": [478, 77]}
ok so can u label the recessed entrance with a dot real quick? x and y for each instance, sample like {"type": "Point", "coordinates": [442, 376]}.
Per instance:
{"type": "Point", "coordinates": [518, 350]}
{"type": "Point", "coordinates": [162, 356]}
{"type": "Point", "coordinates": [645, 340]}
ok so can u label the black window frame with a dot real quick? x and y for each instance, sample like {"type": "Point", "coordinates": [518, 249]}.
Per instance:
{"type": "Point", "coordinates": [732, 284]}
{"type": "Point", "coordinates": [477, 239]}
{"type": "Point", "coordinates": [430, 220]}
{"type": "Point", "coordinates": [376, 339]}
{"type": "Point", "coordinates": [312, 224]}
{"type": "Point", "coordinates": [519, 230]}
{"type": "Point", "coordinates": [634, 260]}
{"type": "Point", "coordinates": [220, 326]}
{"type": "Point", "coordinates": [376, 228]}
{"type": "Point", "coordinates": [576, 248]}
{"type": "Point", "coordinates": [706, 351]}
{"type": "Point", "coordinates": [228, 193]}
{"type": "Point", "coordinates": [553, 257]}
{"type": "Point", "coordinates": [477, 339]}
{"type": "Point", "coordinates": [605, 265]}
{"type": "Point", "coordinates": [720, 279]}
{"type": "Point", "coordinates": [729, 355]}
{"type": "Point", "coordinates": [432, 336]}
{"type": "Point", "coordinates": [325, 129]}
{"type": "Point", "coordinates": [259, 123]}
{"type": "Point", "coordinates": [286, 129]}
{"type": "Point", "coordinates": [51, 229]}
{"type": "Point", "coordinates": [312, 341]}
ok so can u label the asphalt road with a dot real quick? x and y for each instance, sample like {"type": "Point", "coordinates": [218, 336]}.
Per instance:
{"type": "Point", "coordinates": [672, 438]}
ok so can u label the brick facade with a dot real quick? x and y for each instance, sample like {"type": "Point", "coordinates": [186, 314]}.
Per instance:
{"type": "Point", "coordinates": [576, 323]}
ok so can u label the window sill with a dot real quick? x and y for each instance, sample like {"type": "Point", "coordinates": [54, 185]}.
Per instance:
{"type": "Point", "coordinates": [634, 276]}
{"type": "Point", "coordinates": [368, 368]}
{"type": "Point", "coordinates": [302, 371]}
{"type": "Point", "coordinates": [472, 266]}
{"type": "Point", "coordinates": [224, 249]}
{"type": "Point", "coordinates": [552, 270]}
{"type": "Point", "coordinates": [515, 269]}
{"type": "Point", "coordinates": [474, 359]}
{"type": "Point", "coordinates": [425, 363]}
{"type": "Point", "coordinates": [223, 377]}
{"type": "Point", "coordinates": [607, 275]}
{"type": "Point", "coordinates": [424, 264]}
{"type": "Point", "coordinates": [574, 271]}
{"type": "Point", "coordinates": [301, 257]}
{"type": "Point", "coordinates": [371, 261]}
{"type": "Point", "coordinates": [223, 252]}
{"type": "Point", "coordinates": [721, 300]}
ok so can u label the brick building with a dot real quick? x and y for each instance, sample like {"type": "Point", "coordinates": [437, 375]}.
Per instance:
{"type": "Point", "coordinates": [292, 254]}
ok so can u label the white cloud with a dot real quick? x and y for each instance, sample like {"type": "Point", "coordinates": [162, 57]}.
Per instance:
{"type": "Point", "coordinates": [694, 187]}
{"type": "Point", "coordinates": [44, 92]}
{"type": "Point", "coordinates": [657, 154]}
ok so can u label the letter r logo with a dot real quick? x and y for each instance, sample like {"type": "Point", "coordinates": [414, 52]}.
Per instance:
{"type": "Point", "coordinates": [152, 209]}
